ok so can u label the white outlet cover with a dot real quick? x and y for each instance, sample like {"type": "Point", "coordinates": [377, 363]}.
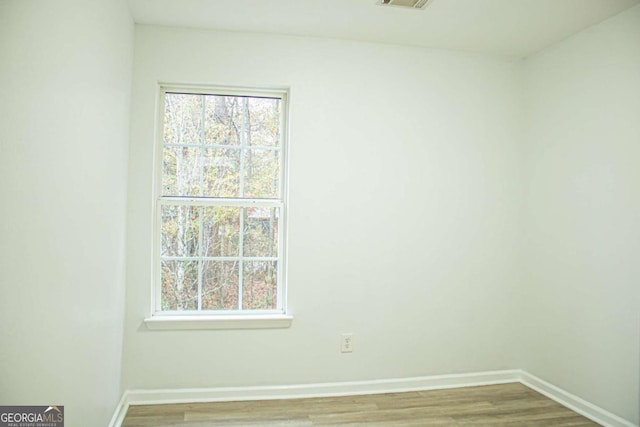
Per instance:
{"type": "Point", "coordinates": [346, 345]}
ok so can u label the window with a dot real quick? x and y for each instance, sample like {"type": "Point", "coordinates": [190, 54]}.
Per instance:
{"type": "Point", "coordinates": [220, 205]}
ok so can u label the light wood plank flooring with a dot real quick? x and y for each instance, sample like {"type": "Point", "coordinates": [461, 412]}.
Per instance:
{"type": "Point", "coordinates": [497, 405]}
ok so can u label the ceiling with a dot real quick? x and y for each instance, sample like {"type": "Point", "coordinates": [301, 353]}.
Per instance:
{"type": "Point", "coordinates": [502, 27]}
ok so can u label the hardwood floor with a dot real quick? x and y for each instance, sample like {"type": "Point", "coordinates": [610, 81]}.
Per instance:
{"type": "Point", "coordinates": [497, 405]}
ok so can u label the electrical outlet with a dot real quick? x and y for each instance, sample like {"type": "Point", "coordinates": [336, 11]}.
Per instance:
{"type": "Point", "coordinates": [346, 345]}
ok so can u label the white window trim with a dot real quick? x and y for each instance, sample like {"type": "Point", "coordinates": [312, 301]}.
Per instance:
{"type": "Point", "coordinates": [214, 319]}
{"type": "Point", "coordinates": [196, 322]}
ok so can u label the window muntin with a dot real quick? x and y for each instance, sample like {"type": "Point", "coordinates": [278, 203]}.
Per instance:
{"type": "Point", "coordinates": [220, 205]}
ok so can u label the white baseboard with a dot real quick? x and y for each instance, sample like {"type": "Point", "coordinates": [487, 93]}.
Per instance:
{"type": "Point", "coordinates": [573, 402]}
{"type": "Point", "coordinates": [226, 394]}
{"type": "Point", "coordinates": [121, 411]}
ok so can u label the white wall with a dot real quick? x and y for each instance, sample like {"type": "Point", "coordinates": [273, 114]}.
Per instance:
{"type": "Point", "coordinates": [582, 295]}
{"type": "Point", "coordinates": [404, 204]}
{"type": "Point", "coordinates": [65, 88]}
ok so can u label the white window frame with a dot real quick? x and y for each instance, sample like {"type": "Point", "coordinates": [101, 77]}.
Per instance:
{"type": "Point", "coordinates": [220, 319]}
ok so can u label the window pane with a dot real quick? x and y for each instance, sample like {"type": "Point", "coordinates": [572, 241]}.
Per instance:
{"type": "Point", "coordinates": [216, 256]}
{"type": "Point", "coordinates": [222, 125]}
{"type": "Point", "coordinates": [264, 117]}
{"type": "Point", "coordinates": [180, 229]}
{"type": "Point", "coordinates": [260, 285]}
{"type": "Point", "coordinates": [221, 231]}
{"type": "Point", "coordinates": [262, 173]}
{"type": "Point", "coordinates": [181, 171]}
{"type": "Point", "coordinates": [179, 285]}
{"type": "Point", "coordinates": [221, 172]}
{"type": "Point", "coordinates": [220, 285]}
{"type": "Point", "coordinates": [183, 116]}
{"type": "Point", "coordinates": [261, 232]}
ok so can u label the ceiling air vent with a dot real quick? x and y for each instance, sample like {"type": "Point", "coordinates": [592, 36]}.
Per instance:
{"type": "Point", "coordinates": [411, 4]}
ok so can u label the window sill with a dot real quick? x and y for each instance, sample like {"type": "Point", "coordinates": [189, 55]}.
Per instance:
{"type": "Point", "coordinates": [271, 321]}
